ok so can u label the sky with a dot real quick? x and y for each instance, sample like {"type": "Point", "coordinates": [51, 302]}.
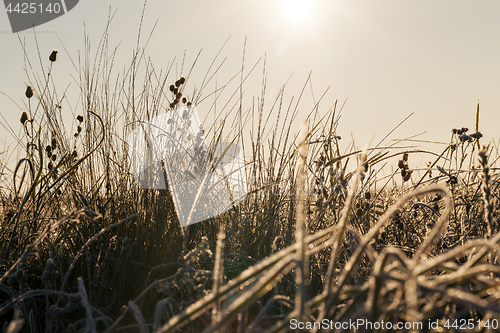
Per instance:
{"type": "Point", "coordinates": [388, 58]}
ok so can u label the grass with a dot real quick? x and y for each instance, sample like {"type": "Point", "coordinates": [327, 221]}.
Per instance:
{"type": "Point", "coordinates": [84, 249]}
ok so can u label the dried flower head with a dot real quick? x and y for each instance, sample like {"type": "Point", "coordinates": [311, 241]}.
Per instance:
{"type": "Point", "coordinates": [401, 164]}
{"type": "Point", "coordinates": [184, 100]}
{"type": "Point", "coordinates": [24, 117]}
{"type": "Point", "coordinates": [464, 137]}
{"type": "Point", "coordinates": [477, 135]}
{"type": "Point", "coordinates": [79, 118]}
{"type": "Point", "coordinates": [407, 176]}
{"type": "Point", "coordinates": [403, 173]}
{"type": "Point", "coordinates": [182, 79]}
{"type": "Point", "coordinates": [172, 88]}
{"type": "Point", "coordinates": [53, 55]}
{"type": "Point", "coordinates": [29, 92]}
{"type": "Point", "coordinates": [178, 95]}
{"type": "Point", "coordinates": [405, 156]}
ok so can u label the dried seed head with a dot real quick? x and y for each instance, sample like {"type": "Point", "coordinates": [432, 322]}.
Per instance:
{"type": "Point", "coordinates": [454, 131]}
{"type": "Point", "coordinates": [477, 135]}
{"type": "Point", "coordinates": [403, 173]}
{"type": "Point", "coordinates": [405, 156]}
{"type": "Point", "coordinates": [172, 105]}
{"type": "Point", "coordinates": [401, 164]}
{"type": "Point", "coordinates": [175, 91]}
{"type": "Point", "coordinates": [368, 195]}
{"type": "Point", "coordinates": [24, 117]}
{"type": "Point", "coordinates": [407, 176]}
{"type": "Point", "coordinates": [79, 118]}
{"type": "Point", "coordinates": [74, 154]}
{"type": "Point", "coordinates": [178, 95]}
{"type": "Point", "coordinates": [54, 143]}
{"type": "Point", "coordinates": [29, 92]}
{"type": "Point", "coordinates": [188, 104]}
{"type": "Point", "coordinates": [453, 180]}
{"type": "Point", "coordinates": [465, 129]}
{"type": "Point", "coordinates": [54, 157]}
{"type": "Point", "coordinates": [182, 79]}
{"type": "Point", "coordinates": [464, 137]}
{"type": "Point", "coordinates": [53, 55]}
{"type": "Point", "coordinates": [172, 88]}
{"type": "Point", "coordinates": [184, 100]}
{"type": "Point", "coordinates": [177, 83]}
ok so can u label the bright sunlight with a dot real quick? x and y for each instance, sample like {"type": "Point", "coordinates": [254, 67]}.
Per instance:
{"type": "Point", "coordinates": [298, 10]}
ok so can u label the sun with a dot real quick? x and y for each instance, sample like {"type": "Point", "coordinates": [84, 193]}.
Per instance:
{"type": "Point", "coordinates": [298, 10]}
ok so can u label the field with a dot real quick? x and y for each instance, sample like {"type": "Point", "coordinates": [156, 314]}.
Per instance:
{"type": "Point", "coordinates": [316, 243]}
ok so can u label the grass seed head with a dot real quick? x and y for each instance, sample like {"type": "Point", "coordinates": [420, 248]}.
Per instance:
{"type": "Point", "coordinates": [182, 79]}
{"type": "Point", "coordinates": [172, 88]}
{"type": "Point", "coordinates": [53, 56]}
{"type": "Point", "coordinates": [79, 118]}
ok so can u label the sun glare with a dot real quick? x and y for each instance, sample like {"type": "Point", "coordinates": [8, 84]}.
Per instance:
{"type": "Point", "coordinates": [298, 10]}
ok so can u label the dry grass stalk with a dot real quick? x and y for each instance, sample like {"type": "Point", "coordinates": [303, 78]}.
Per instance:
{"type": "Point", "coordinates": [302, 261]}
